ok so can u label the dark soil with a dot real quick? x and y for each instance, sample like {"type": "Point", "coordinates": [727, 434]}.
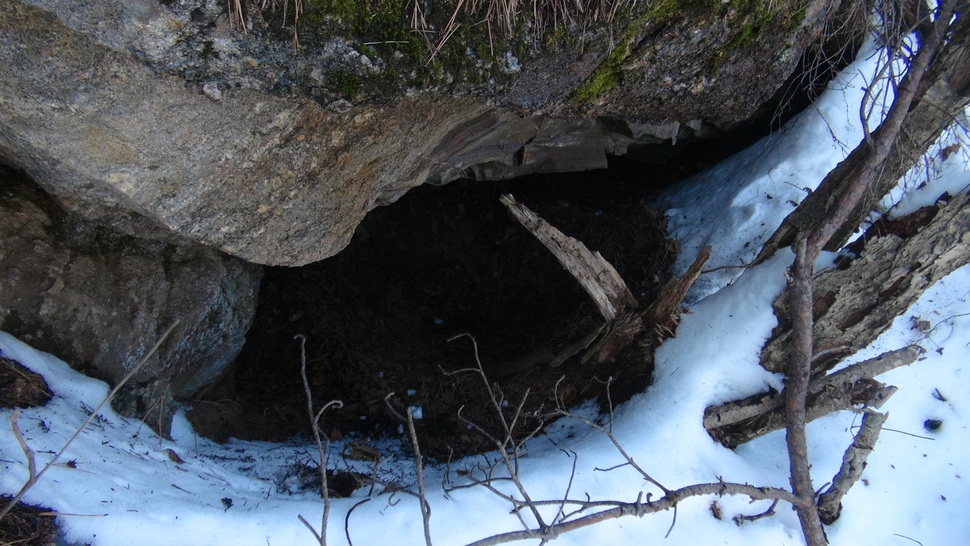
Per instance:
{"type": "Point", "coordinates": [20, 387]}
{"type": "Point", "coordinates": [24, 524]}
{"type": "Point", "coordinates": [443, 261]}
{"type": "Point", "coordinates": [27, 525]}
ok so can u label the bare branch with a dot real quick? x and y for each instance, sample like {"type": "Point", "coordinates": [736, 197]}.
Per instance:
{"type": "Point", "coordinates": [639, 509]}
{"type": "Point", "coordinates": [322, 442]}
{"type": "Point", "coordinates": [853, 463]}
{"type": "Point", "coordinates": [797, 380]}
{"type": "Point", "coordinates": [508, 448]}
{"type": "Point", "coordinates": [422, 499]}
{"type": "Point", "coordinates": [418, 465]}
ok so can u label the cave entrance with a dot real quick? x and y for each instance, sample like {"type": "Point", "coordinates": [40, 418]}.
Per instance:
{"type": "Point", "coordinates": [439, 262]}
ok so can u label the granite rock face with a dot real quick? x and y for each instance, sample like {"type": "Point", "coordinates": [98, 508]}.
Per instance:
{"type": "Point", "coordinates": [100, 300]}
{"type": "Point", "coordinates": [273, 180]}
{"type": "Point", "coordinates": [100, 105]}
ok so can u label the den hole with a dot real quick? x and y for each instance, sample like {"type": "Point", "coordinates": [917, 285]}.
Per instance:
{"type": "Point", "coordinates": [440, 262]}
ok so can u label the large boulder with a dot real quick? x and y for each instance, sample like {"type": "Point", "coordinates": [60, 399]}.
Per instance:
{"type": "Point", "coordinates": [108, 106]}
{"type": "Point", "coordinates": [100, 300]}
{"type": "Point", "coordinates": [273, 180]}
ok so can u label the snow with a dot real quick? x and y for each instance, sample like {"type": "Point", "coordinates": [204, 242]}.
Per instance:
{"type": "Point", "coordinates": [737, 205]}
{"type": "Point", "coordinates": [125, 485]}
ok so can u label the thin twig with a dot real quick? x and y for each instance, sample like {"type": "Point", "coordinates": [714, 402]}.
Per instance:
{"type": "Point", "coordinates": [560, 515]}
{"type": "Point", "coordinates": [418, 465]}
{"type": "Point", "coordinates": [422, 498]}
{"type": "Point", "coordinates": [897, 431]}
{"type": "Point", "coordinates": [322, 443]}
{"type": "Point", "coordinates": [347, 520]}
{"type": "Point", "coordinates": [741, 518]}
{"type": "Point", "coordinates": [619, 447]}
{"type": "Point", "coordinates": [320, 540]}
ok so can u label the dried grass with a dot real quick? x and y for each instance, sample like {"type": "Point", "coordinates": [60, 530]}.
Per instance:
{"type": "Point", "coordinates": [503, 15]}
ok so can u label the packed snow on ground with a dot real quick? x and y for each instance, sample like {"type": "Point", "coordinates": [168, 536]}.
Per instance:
{"type": "Point", "coordinates": [125, 485]}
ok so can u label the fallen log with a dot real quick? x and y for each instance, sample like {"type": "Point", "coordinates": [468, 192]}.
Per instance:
{"type": "Point", "coordinates": [741, 421]}
{"type": "Point", "coordinates": [858, 300]}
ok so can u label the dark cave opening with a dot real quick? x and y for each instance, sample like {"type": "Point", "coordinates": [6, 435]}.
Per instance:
{"type": "Point", "coordinates": [448, 260]}
{"type": "Point", "coordinates": [440, 262]}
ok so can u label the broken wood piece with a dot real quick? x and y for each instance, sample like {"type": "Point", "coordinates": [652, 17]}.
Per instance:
{"type": "Point", "coordinates": [618, 335]}
{"type": "Point", "coordinates": [664, 312]}
{"type": "Point", "coordinates": [853, 463]}
{"type": "Point", "coordinates": [594, 273]}
{"type": "Point", "coordinates": [663, 315]}
{"type": "Point", "coordinates": [735, 423]}
{"type": "Point", "coordinates": [604, 285]}
{"type": "Point", "coordinates": [580, 345]}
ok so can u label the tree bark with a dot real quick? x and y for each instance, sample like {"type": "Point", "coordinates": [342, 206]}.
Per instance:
{"type": "Point", "coordinates": [858, 301]}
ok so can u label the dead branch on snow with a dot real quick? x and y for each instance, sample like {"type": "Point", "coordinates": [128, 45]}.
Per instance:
{"type": "Point", "coordinates": [741, 421]}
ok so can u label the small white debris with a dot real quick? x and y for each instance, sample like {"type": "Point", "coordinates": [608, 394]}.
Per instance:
{"type": "Point", "coordinates": [211, 90]}
{"type": "Point", "coordinates": [512, 64]}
